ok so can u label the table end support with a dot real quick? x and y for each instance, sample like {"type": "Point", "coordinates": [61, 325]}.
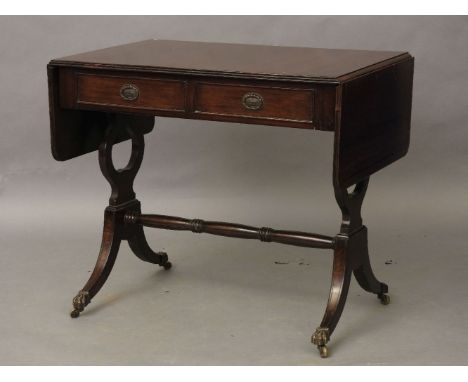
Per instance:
{"type": "Point", "coordinates": [351, 256]}
{"type": "Point", "coordinates": [121, 202]}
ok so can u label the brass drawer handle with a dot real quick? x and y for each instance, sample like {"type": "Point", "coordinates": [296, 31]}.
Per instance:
{"type": "Point", "coordinates": [129, 92]}
{"type": "Point", "coordinates": [252, 101]}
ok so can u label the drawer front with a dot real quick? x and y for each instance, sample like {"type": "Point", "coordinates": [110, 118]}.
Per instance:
{"type": "Point", "coordinates": [131, 92]}
{"type": "Point", "coordinates": [268, 103]}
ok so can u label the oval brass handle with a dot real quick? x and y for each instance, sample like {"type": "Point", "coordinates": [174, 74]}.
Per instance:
{"type": "Point", "coordinates": [129, 92]}
{"type": "Point", "coordinates": [252, 101]}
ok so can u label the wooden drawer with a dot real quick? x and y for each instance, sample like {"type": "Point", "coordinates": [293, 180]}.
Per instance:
{"type": "Point", "coordinates": [130, 92]}
{"type": "Point", "coordinates": [264, 103]}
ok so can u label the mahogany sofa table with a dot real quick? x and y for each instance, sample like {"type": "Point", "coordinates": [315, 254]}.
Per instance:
{"type": "Point", "coordinates": [100, 98]}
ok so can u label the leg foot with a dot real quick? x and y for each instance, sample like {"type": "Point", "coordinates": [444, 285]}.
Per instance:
{"type": "Point", "coordinates": [165, 263]}
{"type": "Point", "coordinates": [79, 303]}
{"type": "Point", "coordinates": [74, 313]}
{"type": "Point", "coordinates": [320, 338]}
{"type": "Point", "coordinates": [384, 298]}
{"type": "Point", "coordinates": [323, 350]}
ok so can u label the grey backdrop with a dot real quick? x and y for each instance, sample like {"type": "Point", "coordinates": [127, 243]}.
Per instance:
{"type": "Point", "coordinates": [226, 301]}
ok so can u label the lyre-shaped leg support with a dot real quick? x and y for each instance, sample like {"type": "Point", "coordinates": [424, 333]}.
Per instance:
{"type": "Point", "coordinates": [350, 256]}
{"type": "Point", "coordinates": [121, 202]}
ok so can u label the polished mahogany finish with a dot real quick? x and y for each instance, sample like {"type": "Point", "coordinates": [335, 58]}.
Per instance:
{"type": "Point", "coordinates": [100, 98]}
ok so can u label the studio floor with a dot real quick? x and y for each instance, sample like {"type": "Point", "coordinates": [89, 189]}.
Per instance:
{"type": "Point", "coordinates": [228, 301]}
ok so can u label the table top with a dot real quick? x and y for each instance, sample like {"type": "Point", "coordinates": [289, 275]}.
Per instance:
{"type": "Point", "coordinates": [363, 96]}
{"type": "Point", "coordinates": [248, 60]}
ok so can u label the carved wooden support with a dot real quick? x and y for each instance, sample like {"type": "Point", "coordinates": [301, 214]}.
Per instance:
{"type": "Point", "coordinates": [121, 181]}
{"type": "Point", "coordinates": [350, 256]}
{"type": "Point", "coordinates": [350, 205]}
{"type": "Point", "coordinates": [122, 201]}
{"type": "Point", "coordinates": [123, 221]}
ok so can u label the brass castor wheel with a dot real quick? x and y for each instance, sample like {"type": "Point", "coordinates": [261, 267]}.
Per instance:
{"type": "Point", "coordinates": [320, 338]}
{"type": "Point", "coordinates": [167, 265]}
{"type": "Point", "coordinates": [384, 299]}
{"type": "Point", "coordinates": [323, 350]}
{"type": "Point", "coordinates": [74, 313]}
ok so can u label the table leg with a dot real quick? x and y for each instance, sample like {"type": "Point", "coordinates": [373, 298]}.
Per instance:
{"type": "Point", "coordinates": [350, 255]}
{"type": "Point", "coordinates": [137, 241]}
{"type": "Point", "coordinates": [365, 276]}
{"type": "Point", "coordinates": [121, 202]}
{"type": "Point", "coordinates": [111, 239]}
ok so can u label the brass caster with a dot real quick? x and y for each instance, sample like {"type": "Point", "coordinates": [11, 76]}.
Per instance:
{"type": "Point", "coordinates": [79, 303]}
{"type": "Point", "coordinates": [384, 299]}
{"type": "Point", "coordinates": [167, 265]}
{"type": "Point", "coordinates": [75, 313]}
{"type": "Point", "coordinates": [320, 338]}
{"type": "Point", "coordinates": [323, 350]}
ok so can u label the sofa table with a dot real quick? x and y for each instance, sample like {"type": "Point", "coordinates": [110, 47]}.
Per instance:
{"type": "Point", "coordinates": [104, 97]}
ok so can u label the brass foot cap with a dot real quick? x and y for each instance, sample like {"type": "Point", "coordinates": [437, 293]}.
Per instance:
{"type": "Point", "coordinates": [75, 313]}
{"type": "Point", "coordinates": [323, 351]}
{"type": "Point", "coordinates": [164, 261]}
{"type": "Point", "coordinates": [384, 299]}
